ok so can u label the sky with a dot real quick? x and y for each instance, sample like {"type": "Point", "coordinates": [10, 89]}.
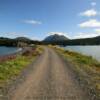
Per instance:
{"type": "Point", "coordinates": [37, 19]}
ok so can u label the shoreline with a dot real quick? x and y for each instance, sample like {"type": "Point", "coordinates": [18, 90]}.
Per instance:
{"type": "Point", "coordinates": [11, 56]}
{"type": "Point", "coordinates": [86, 71]}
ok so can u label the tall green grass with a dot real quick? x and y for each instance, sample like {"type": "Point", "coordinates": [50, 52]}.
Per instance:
{"type": "Point", "coordinates": [11, 68]}
{"type": "Point", "coordinates": [83, 59]}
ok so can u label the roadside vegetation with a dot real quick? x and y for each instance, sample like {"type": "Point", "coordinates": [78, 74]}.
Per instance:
{"type": "Point", "coordinates": [86, 69]}
{"type": "Point", "coordinates": [11, 68]}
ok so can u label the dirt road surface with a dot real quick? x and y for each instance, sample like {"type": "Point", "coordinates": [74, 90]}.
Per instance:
{"type": "Point", "coordinates": [51, 79]}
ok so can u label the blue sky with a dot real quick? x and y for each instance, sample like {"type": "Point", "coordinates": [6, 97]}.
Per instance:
{"type": "Point", "coordinates": [37, 19]}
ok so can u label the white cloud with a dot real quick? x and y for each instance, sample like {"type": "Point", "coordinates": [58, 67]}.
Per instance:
{"type": "Point", "coordinates": [93, 3]}
{"type": "Point", "coordinates": [97, 30]}
{"type": "Point", "coordinates": [33, 22]}
{"type": "Point", "coordinates": [14, 34]}
{"type": "Point", "coordinates": [59, 33]}
{"type": "Point", "coordinates": [34, 38]}
{"type": "Point", "coordinates": [89, 13]}
{"type": "Point", "coordinates": [85, 35]}
{"type": "Point", "coordinates": [18, 34]}
{"type": "Point", "coordinates": [92, 23]}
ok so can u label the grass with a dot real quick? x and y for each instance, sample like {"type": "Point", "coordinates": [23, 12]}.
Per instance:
{"type": "Point", "coordinates": [86, 68]}
{"type": "Point", "coordinates": [12, 68]}
{"type": "Point", "coordinates": [79, 58]}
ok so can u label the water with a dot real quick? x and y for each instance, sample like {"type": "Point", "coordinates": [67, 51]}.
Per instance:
{"type": "Point", "coordinates": [93, 51]}
{"type": "Point", "coordinates": [8, 50]}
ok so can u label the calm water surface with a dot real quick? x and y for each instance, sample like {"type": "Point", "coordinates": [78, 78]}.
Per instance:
{"type": "Point", "coordinates": [93, 51]}
{"type": "Point", "coordinates": [8, 50]}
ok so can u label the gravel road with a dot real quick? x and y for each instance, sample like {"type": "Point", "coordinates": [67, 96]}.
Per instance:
{"type": "Point", "coordinates": [51, 79]}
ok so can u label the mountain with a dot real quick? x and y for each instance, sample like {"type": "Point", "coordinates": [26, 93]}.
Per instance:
{"type": "Point", "coordinates": [55, 38]}
{"type": "Point", "coordinates": [62, 40]}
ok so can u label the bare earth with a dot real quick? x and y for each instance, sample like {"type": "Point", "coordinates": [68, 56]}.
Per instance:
{"type": "Point", "coordinates": [51, 79]}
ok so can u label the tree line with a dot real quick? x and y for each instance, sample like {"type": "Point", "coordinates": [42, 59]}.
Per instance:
{"type": "Point", "coordinates": [86, 41]}
{"type": "Point", "coordinates": [15, 42]}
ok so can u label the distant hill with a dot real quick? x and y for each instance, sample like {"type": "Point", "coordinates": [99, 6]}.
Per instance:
{"type": "Point", "coordinates": [23, 39]}
{"type": "Point", "coordinates": [60, 40]}
{"type": "Point", "coordinates": [55, 38]}
{"type": "Point", "coordinates": [85, 41]}
{"type": "Point", "coordinates": [14, 42]}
